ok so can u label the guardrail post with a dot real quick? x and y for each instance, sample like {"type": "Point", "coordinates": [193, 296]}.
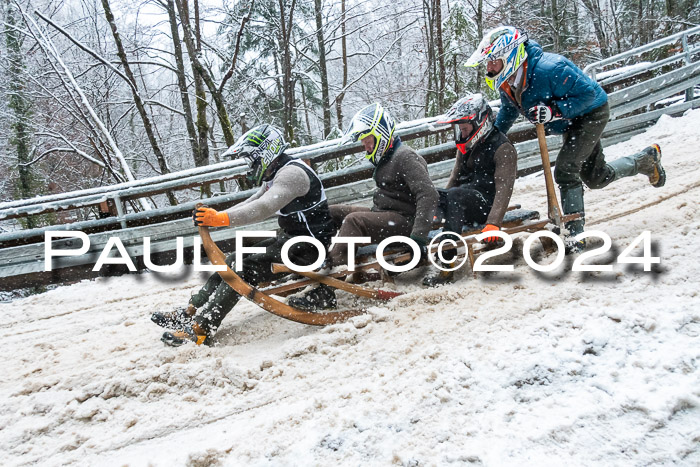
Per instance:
{"type": "Point", "coordinates": [120, 211]}
{"type": "Point", "coordinates": [690, 92]}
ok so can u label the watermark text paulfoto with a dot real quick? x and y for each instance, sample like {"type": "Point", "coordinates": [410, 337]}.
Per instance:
{"type": "Point", "coordinates": [437, 247]}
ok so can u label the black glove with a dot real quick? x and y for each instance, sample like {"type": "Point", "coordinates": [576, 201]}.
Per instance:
{"type": "Point", "coordinates": [543, 113]}
{"type": "Point", "coordinates": [422, 245]}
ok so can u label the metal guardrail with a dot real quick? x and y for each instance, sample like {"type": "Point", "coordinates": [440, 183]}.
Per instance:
{"type": "Point", "coordinates": [194, 177]}
{"type": "Point", "coordinates": [593, 69]}
{"type": "Point", "coordinates": [28, 259]}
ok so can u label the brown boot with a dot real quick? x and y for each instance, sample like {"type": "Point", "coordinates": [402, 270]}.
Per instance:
{"type": "Point", "coordinates": [193, 333]}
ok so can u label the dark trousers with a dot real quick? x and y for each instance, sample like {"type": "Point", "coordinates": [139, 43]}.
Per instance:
{"type": "Point", "coordinates": [355, 221]}
{"type": "Point", "coordinates": [464, 205]}
{"type": "Point", "coordinates": [216, 299]}
{"type": "Point", "coordinates": [581, 157]}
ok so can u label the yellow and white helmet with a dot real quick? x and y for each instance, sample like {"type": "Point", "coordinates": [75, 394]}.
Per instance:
{"type": "Point", "coordinates": [372, 120]}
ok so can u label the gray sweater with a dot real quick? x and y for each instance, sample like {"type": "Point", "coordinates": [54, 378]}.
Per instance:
{"type": "Point", "coordinates": [404, 186]}
{"type": "Point", "coordinates": [289, 183]}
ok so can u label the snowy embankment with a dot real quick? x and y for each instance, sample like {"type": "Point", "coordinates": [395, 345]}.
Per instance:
{"type": "Point", "coordinates": [511, 368]}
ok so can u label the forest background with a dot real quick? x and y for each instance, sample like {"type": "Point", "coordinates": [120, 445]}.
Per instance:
{"type": "Point", "coordinates": [96, 92]}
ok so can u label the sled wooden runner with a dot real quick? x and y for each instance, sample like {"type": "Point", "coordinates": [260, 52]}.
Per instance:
{"type": "Point", "coordinates": [216, 256]}
{"type": "Point", "coordinates": [354, 289]}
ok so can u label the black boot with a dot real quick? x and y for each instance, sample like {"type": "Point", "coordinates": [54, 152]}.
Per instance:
{"type": "Point", "coordinates": [192, 333]}
{"type": "Point", "coordinates": [442, 277]}
{"type": "Point", "coordinates": [175, 319]}
{"type": "Point", "coordinates": [572, 203]}
{"type": "Point", "coordinates": [320, 298]}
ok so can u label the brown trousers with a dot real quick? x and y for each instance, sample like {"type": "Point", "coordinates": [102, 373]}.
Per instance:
{"type": "Point", "coordinates": [355, 221]}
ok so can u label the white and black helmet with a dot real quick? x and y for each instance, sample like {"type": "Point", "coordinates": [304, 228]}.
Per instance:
{"type": "Point", "coordinates": [470, 108]}
{"type": "Point", "coordinates": [372, 120]}
{"type": "Point", "coordinates": [259, 147]}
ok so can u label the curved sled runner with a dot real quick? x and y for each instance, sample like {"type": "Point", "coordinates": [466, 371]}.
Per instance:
{"type": "Point", "coordinates": [216, 256]}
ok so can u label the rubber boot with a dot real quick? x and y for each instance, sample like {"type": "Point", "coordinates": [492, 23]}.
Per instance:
{"type": "Point", "coordinates": [320, 298]}
{"type": "Point", "coordinates": [175, 319]}
{"type": "Point", "coordinates": [572, 203]}
{"type": "Point", "coordinates": [646, 162]}
{"type": "Point", "coordinates": [191, 333]}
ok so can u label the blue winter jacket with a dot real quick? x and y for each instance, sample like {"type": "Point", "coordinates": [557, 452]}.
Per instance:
{"type": "Point", "coordinates": [550, 79]}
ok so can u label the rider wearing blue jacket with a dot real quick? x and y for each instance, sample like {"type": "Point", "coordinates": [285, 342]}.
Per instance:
{"type": "Point", "coordinates": [551, 78]}
{"type": "Point", "coordinates": [549, 89]}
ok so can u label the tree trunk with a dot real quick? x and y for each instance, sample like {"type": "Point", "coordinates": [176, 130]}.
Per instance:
{"type": "Point", "coordinates": [344, 51]}
{"type": "Point", "coordinates": [147, 125]}
{"type": "Point", "coordinates": [20, 106]}
{"type": "Point", "coordinates": [593, 8]}
{"type": "Point", "coordinates": [288, 81]}
{"type": "Point", "coordinates": [208, 79]}
{"type": "Point", "coordinates": [480, 82]}
{"type": "Point", "coordinates": [306, 108]}
{"type": "Point", "coordinates": [555, 30]}
{"type": "Point", "coordinates": [322, 69]}
{"type": "Point", "coordinates": [203, 126]}
{"type": "Point", "coordinates": [182, 85]}
{"type": "Point", "coordinates": [440, 57]}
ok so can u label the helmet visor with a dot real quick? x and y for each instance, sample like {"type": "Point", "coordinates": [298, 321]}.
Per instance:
{"type": "Point", "coordinates": [482, 52]}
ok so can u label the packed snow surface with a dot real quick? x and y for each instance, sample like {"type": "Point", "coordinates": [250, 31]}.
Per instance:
{"type": "Point", "coordinates": [517, 368]}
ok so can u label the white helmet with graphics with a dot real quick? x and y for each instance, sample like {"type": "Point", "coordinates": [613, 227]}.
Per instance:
{"type": "Point", "coordinates": [259, 147]}
{"type": "Point", "coordinates": [504, 43]}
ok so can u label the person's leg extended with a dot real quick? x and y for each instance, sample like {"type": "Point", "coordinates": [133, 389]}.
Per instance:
{"type": "Point", "coordinates": [256, 269]}
{"type": "Point", "coordinates": [219, 302]}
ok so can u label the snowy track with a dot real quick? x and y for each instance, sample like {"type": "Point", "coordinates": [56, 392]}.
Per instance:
{"type": "Point", "coordinates": [512, 368]}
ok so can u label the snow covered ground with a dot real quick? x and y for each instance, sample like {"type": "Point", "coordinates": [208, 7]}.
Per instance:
{"type": "Point", "coordinates": [509, 369]}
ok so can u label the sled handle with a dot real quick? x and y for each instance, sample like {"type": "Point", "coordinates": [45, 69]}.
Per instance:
{"type": "Point", "coordinates": [553, 210]}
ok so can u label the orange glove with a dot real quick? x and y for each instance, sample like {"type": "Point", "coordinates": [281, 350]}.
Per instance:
{"type": "Point", "coordinates": [490, 228]}
{"type": "Point", "coordinates": [209, 217]}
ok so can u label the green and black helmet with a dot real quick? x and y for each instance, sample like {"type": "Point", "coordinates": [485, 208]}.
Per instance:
{"type": "Point", "coordinates": [259, 147]}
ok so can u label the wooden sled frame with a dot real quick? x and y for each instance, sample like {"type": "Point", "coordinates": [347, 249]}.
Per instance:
{"type": "Point", "coordinates": [264, 299]}
{"type": "Point", "coordinates": [266, 302]}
